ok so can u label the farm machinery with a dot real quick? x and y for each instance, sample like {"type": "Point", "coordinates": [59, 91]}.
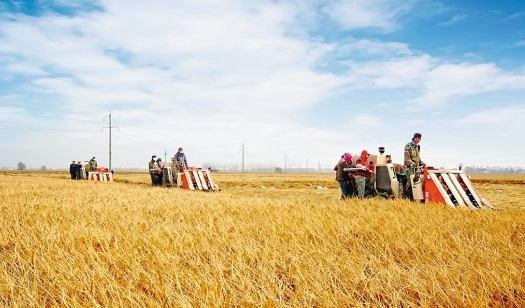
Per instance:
{"type": "Point", "coordinates": [101, 174]}
{"type": "Point", "coordinates": [427, 184]}
{"type": "Point", "coordinates": [192, 178]}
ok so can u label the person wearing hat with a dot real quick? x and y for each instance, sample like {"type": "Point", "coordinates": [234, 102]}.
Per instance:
{"type": "Point", "coordinates": [180, 157]}
{"type": "Point", "coordinates": [78, 170]}
{"type": "Point", "coordinates": [363, 175]}
{"type": "Point", "coordinates": [151, 169]}
{"type": "Point", "coordinates": [412, 149]}
{"type": "Point", "coordinates": [412, 159]}
{"type": "Point", "coordinates": [92, 164]}
{"type": "Point", "coordinates": [157, 171]}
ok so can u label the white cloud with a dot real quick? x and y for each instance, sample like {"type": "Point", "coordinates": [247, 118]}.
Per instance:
{"type": "Point", "coordinates": [516, 15]}
{"type": "Point", "coordinates": [363, 121]}
{"type": "Point", "coordinates": [393, 73]}
{"type": "Point", "coordinates": [210, 76]}
{"type": "Point", "coordinates": [382, 14]}
{"type": "Point", "coordinates": [454, 20]}
{"type": "Point", "coordinates": [366, 49]}
{"type": "Point", "coordinates": [447, 81]}
{"type": "Point", "coordinates": [506, 116]}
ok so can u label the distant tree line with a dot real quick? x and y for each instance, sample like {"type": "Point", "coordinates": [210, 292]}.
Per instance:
{"type": "Point", "coordinates": [495, 170]}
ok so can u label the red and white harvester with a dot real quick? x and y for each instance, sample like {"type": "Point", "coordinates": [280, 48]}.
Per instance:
{"type": "Point", "coordinates": [428, 184]}
{"type": "Point", "coordinates": [101, 174]}
{"type": "Point", "coordinates": [192, 178]}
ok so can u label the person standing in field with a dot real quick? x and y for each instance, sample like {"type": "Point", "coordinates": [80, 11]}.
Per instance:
{"type": "Point", "coordinates": [78, 170]}
{"type": "Point", "coordinates": [412, 161]}
{"type": "Point", "coordinates": [151, 169]}
{"type": "Point", "coordinates": [72, 169]}
{"type": "Point", "coordinates": [340, 176]}
{"type": "Point", "coordinates": [180, 157]}
{"type": "Point", "coordinates": [84, 170]}
{"type": "Point", "coordinates": [158, 167]}
{"type": "Point", "coordinates": [412, 157]}
{"type": "Point", "coordinates": [92, 164]}
{"type": "Point", "coordinates": [174, 169]}
{"type": "Point", "coordinates": [360, 178]}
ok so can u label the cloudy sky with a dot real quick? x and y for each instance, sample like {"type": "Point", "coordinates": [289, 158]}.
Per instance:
{"type": "Point", "coordinates": [300, 81]}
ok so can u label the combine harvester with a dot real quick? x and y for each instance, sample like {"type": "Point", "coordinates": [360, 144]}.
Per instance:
{"type": "Point", "coordinates": [101, 174]}
{"type": "Point", "coordinates": [193, 178]}
{"type": "Point", "coordinates": [429, 184]}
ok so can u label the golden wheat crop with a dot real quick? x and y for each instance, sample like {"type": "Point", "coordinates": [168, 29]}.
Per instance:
{"type": "Point", "coordinates": [265, 240]}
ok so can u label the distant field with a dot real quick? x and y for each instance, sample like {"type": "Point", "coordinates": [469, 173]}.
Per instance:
{"type": "Point", "coordinates": [264, 240]}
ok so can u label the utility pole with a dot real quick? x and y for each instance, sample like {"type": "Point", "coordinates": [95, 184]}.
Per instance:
{"type": "Point", "coordinates": [243, 157]}
{"type": "Point", "coordinates": [284, 162]}
{"type": "Point", "coordinates": [109, 140]}
{"type": "Point", "coordinates": [110, 131]}
{"type": "Point", "coordinates": [165, 158]}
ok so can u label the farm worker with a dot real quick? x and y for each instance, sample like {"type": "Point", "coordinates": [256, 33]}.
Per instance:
{"type": "Point", "coordinates": [92, 164]}
{"type": "Point", "coordinates": [157, 172]}
{"type": "Point", "coordinates": [72, 169]}
{"type": "Point", "coordinates": [412, 157]}
{"type": "Point", "coordinates": [174, 169]}
{"type": "Point", "coordinates": [412, 160]}
{"type": "Point", "coordinates": [180, 157]}
{"type": "Point", "coordinates": [364, 157]}
{"type": "Point", "coordinates": [85, 170]}
{"type": "Point", "coordinates": [157, 165]}
{"type": "Point", "coordinates": [340, 176]}
{"type": "Point", "coordinates": [150, 168]}
{"type": "Point", "coordinates": [360, 178]}
{"type": "Point", "coordinates": [363, 176]}
{"type": "Point", "coordinates": [78, 170]}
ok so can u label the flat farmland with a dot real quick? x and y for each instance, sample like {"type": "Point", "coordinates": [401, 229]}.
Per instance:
{"type": "Point", "coordinates": [264, 240]}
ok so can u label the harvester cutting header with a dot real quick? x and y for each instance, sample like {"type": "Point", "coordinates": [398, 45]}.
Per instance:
{"type": "Point", "coordinates": [178, 173]}
{"type": "Point", "coordinates": [369, 175]}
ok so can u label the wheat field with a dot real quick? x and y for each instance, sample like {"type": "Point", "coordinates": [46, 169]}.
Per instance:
{"type": "Point", "coordinates": [264, 240]}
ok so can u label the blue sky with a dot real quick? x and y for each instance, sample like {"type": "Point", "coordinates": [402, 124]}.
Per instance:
{"type": "Point", "coordinates": [301, 79]}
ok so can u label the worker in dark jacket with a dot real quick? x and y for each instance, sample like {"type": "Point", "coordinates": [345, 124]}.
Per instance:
{"type": "Point", "coordinates": [78, 169]}
{"type": "Point", "coordinates": [151, 168]}
{"type": "Point", "coordinates": [341, 176]}
{"type": "Point", "coordinates": [72, 170]}
{"type": "Point", "coordinates": [180, 157]}
{"type": "Point", "coordinates": [175, 168]}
